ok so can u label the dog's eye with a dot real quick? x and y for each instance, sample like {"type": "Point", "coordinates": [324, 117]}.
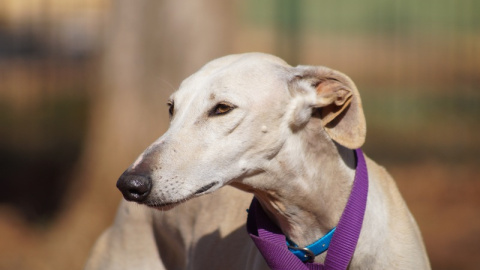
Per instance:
{"type": "Point", "coordinates": [222, 108]}
{"type": "Point", "coordinates": [171, 108]}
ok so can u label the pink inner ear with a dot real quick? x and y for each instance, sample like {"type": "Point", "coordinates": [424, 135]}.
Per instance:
{"type": "Point", "coordinates": [336, 96]}
{"type": "Point", "coordinates": [331, 111]}
{"type": "Point", "coordinates": [324, 86]}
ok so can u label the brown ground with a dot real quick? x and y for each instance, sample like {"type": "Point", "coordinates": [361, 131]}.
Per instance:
{"type": "Point", "coordinates": [444, 200]}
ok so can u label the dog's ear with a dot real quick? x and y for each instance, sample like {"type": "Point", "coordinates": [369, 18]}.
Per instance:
{"type": "Point", "coordinates": [337, 104]}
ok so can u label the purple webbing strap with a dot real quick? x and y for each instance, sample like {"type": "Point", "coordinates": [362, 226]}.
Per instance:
{"type": "Point", "coordinates": [345, 238]}
{"type": "Point", "coordinates": [270, 240]}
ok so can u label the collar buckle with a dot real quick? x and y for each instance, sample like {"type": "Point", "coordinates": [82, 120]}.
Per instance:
{"type": "Point", "coordinates": [308, 255]}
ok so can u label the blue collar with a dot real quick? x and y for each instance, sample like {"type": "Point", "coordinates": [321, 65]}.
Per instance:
{"type": "Point", "coordinates": [308, 253]}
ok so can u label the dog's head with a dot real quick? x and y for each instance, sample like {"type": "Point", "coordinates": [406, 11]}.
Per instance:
{"type": "Point", "coordinates": [232, 118]}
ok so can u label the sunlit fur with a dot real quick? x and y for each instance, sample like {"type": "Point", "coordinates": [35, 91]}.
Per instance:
{"type": "Point", "coordinates": [275, 143]}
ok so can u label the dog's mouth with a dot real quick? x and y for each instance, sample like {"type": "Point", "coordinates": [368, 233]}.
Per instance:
{"type": "Point", "coordinates": [205, 189]}
{"type": "Point", "coordinates": [164, 206]}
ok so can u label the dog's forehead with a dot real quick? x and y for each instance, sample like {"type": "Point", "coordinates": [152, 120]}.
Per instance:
{"type": "Point", "coordinates": [242, 59]}
{"type": "Point", "coordinates": [237, 74]}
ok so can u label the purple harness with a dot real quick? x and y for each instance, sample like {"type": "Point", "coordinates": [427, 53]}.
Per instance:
{"type": "Point", "coordinates": [271, 242]}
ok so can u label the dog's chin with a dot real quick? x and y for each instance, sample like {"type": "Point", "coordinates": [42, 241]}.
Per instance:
{"type": "Point", "coordinates": [165, 207]}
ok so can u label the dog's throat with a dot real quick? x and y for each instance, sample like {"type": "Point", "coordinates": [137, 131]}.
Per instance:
{"type": "Point", "coordinates": [271, 241]}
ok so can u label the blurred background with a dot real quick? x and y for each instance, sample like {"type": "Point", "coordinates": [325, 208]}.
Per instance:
{"type": "Point", "coordinates": [84, 83]}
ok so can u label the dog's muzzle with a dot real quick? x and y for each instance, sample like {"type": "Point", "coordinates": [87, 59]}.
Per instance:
{"type": "Point", "coordinates": [134, 187]}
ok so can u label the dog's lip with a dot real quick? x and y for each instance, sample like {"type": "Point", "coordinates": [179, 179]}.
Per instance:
{"type": "Point", "coordinates": [205, 188]}
{"type": "Point", "coordinates": [169, 205]}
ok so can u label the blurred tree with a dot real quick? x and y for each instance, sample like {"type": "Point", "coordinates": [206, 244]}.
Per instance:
{"type": "Point", "coordinates": [288, 30]}
{"type": "Point", "coordinates": [150, 46]}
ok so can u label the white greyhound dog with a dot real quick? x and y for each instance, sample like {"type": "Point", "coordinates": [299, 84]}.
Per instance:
{"type": "Point", "coordinates": [285, 134]}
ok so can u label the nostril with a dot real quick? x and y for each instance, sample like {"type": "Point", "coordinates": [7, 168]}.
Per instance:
{"type": "Point", "coordinates": [135, 191]}
{"type": "Point", "coordinates": [134, 187]}
{"type": "Point", "coordinates": [139, 185]}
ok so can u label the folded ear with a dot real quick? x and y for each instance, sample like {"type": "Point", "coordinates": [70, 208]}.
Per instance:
{"type": "Point", "coordinates": [337, 103]}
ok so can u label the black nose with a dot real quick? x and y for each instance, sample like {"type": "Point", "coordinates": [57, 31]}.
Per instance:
{"type": "Point", "coordinates": [134, 187]}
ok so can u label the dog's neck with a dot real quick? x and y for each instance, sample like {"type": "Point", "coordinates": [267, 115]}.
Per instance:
{"type": "Point", "coordinates": [306, 186]}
